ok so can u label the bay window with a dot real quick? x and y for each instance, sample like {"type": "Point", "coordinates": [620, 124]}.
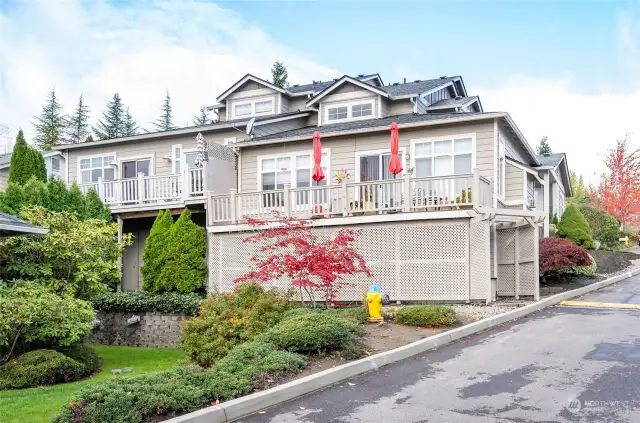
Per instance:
{"type": "Point", "coordinates": [92, 168]}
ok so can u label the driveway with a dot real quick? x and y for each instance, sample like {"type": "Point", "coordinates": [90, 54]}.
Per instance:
{"type": "Point", "coordinates": [559, 365]}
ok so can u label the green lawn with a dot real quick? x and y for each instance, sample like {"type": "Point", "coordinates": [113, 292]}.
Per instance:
{"type": "Point", "coordinates": [41, 404]}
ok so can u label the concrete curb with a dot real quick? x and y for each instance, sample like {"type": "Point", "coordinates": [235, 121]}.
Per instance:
{"type": "Point", "coordinates": [240, 407]}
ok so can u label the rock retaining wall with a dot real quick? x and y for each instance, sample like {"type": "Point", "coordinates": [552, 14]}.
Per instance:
{"type": "Point", "coordinates": [153, 329]}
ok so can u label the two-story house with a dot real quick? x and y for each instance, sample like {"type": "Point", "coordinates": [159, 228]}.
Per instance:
{"type": "Point", "coordinates": [451, 226]}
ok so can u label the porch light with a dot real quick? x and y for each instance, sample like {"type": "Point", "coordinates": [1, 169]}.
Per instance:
{"type": "Point", "coordinates": [167, 159]}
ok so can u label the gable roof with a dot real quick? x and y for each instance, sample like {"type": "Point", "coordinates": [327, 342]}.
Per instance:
{"type": "Point", "coordinates": [555, 161]}
{"type": "Point", "coordinates": [12, 226]}
{"type": "Point", "coordinates": [550, 160]}
{"type": "Point", "coordinates": [248, 77]}
{"type": "Point", "coordinates": [318, 86]}
{"type": "Point", "coordinates": [419, 86]}
{"type": "Point", "coordinates": [450, 103]}
{"type": "Point", "coordinates": [350, 80]}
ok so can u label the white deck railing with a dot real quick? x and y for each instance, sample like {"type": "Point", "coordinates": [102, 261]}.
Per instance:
{"type": "Point", "coordinates": [150, 189]}
{"type": "Point", "coordinates": [351, 199]}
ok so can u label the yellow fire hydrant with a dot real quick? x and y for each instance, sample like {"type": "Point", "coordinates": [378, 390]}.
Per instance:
{"type": "Point", "coordinates": [374, 303]}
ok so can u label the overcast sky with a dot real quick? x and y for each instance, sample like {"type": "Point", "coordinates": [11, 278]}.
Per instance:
{"type": "Point", "coordinates": [570, 70]}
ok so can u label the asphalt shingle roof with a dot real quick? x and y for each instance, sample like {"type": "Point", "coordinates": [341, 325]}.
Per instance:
{"type": "Point", "coordinates": [551, 159]}
{"type": "Point", "coordinates": [361, 124]}
{"type": "Point", "coordinates": [416, 87]}
{"type": "Point", "coordinates": [11, 225]}
{"type": "Point", "coordinates": [454, 102]}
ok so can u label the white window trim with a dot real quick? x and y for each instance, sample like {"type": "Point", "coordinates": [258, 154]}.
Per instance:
{"type": "Point", "coordinates": [150, 156]}
{"type": "Point", "coordinates": [252, 102]}
{"type": "Point", "coordinates": [293, 155]}
{"type": "Point", "coordinates": [80, 158]}
{"type": "Point", "coordinates": [502, 189]}
{"type": "Point", "coordinates": [413, 143]}
{"type": "Point", "coordinates": [173, 157]}
{"type": "Point", "coordinates": [379, 152]}
{"type": "Point", "coordinates": [349, 105]}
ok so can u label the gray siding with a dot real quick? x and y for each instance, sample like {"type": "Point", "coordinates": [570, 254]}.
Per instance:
{"type": "Point", "coordinates": [434, 97]}
{"type": "Point", "coordinates": [385, 104]}
{"type": "Point", "coordinates": [347, 88]}
{"type": "Point", "coordinates": [4, 178]}
{"type": "Point", "coordinates": [285, 107]}
{"type": "Point", "coordinates": [132, 261]}
{"type": "Point", "coordinates": [531, 193]}
{"type": "Point", "coordinates": [512, 148]}
{"type": "Point", "coordinates": [363, 95]}
{"type": "Point", "coordinates": [222, 114]}
{"type": "Point", "coordinates": [249, 86]}
{"type": "Point", "coordinates": [298, 103]}
{"type": "Point", "coordinates": [343, 149]}
{"type": "Point", "coordinates": [400, 107]}
{"type": "Point", "coordinates": [514, 183]}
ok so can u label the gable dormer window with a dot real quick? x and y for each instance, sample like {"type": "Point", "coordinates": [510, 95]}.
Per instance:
{"type": "Point", "coordinates": [350, 111]}
{"type": "Point", "coordinates": [361, 110]}
{"type": "Point", "coordinates": [242, 109]}
{"type": "Point", "coordinates": [338, 113]}
{"type": "Point", "coordinates": [265, 106]}
{"type": "Point", "coordinates": [252, 107]}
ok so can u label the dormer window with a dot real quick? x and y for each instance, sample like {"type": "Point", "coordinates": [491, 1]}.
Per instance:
{"type": "Point", "coordinates": [265, 106]}
{"type": "Point", "coordinates": [350, 111]}
{"type": "Point", "coordinates": [253, 107]}
{"type": "Point", "coordinates": [242, 109]}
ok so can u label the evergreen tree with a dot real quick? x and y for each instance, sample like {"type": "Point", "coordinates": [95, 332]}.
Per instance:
{"type": "Point", "coordinates": [36, 193]}
{"type": "Point", "coordinates": [49, 126]}
{"type": "Point", "coordinates": [165, 122]}
{"type": "Point", "coordinates": [279, 74]}
{"type": "Point", "coordinates": [112, 124]}
{"type": "Point", "coordinates": [130, 125]}
{"type": "Point", "coordinates": [58, 195]}
{"type": "Point", "coordinates": [94, 208]}
{"type": "Point", "coordinates": [184, 269]}
{"type": "Point", "coordinates": [75, 201]}
{"type": "Point", "coordinates": [89, 138]}
{"type": "Point", "coordinates": [201, 118]}
{"type": "Point", "coordinates": [25, 162]}
{"type": "Point", "coordinates": [575, 227]}
{"type": "Point", "coordinates": [12, 199]}
{"type": "Point", "coordinates": [154, 255]}
{"type": "Point", "coordinates": [78, 128]}
{"type": "Point", "coordinates": [543, 147]}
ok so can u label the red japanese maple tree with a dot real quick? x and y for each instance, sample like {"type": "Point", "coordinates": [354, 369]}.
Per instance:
{"type": "Point", "coordinates": [619, 188]}
{"type": "Point", "coordinates": [292, 250]}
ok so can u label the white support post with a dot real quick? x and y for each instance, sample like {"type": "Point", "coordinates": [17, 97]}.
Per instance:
{"type": "Point", "coordinates": [232, 205]}
{"type": "Point", "coordinates": [516, 259]}
{"type": "Point", "coordinates": [140, 187]}
{"type": "Point", "coordinates": [120, 225]}
{"type": "Point", "coordinates": [205, 166]}
{"type": "Point", "coordinates": [536, 264]}
{"type": "Point", "coordinates": [344, 194]}
{"type": "Point", "coordinates": [100, 188]}
{"type": "Point", "coordinates": [185, 184]}
{"type": "Point", "coordinates": [408, 198]}
{"type": "Point", "coordinates": [545, 203]}
{"type": "Point", "coordinates": [475, 190]}
{"type": "Point", "coordinates": [287, 201]}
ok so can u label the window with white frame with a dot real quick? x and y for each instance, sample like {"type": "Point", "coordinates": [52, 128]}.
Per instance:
{"type": "Point", "coordinates": [356, 110]}
{"type": "Point", "coordinates": [294, 169]}
{"type": "Point", "coordinates": [443, 157]}
{"type": "Point", "coordinates": [501, 168]}
{"type": "Point", "coordinates": [55, 164]}
{"type": "Point", "coordinates": [253, 107]}
{"type": "Point", "coordinates": [92, 168]}
{"type": "Point", "coordinates": [265, 106]}
{"type": "Point", "coordinates": [176, 158]}
{"type": "Point", "coordinates": [242, 109]}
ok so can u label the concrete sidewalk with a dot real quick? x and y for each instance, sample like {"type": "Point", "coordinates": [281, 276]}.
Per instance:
{"type": "Point", "coordinates": [558, 365]}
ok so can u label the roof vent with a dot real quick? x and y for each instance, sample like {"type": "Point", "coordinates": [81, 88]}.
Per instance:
{"type": "Point", "coordinates": [361, 75]}
{"type": "Point", "coordinates": [443, 77]}
{"type": "Point", "coordinates": [547, 154]}
{"type": "Point", "coordinates": [417, 80]}
{"type": "Point", "coordinates": [396, 83]}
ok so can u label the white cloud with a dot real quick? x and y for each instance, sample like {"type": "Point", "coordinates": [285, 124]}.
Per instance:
{"type": "Point", "coordinates": [583, 126]}
{"type": "Point", "coordinates": [194, 50]}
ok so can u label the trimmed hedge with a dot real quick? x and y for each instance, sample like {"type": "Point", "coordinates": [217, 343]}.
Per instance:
{"type": "Point", "coordinates": [164, 395]}
{"type": "Point", "coordinates": [84, 354]}
{"type": "Point", "coordinates": [39, 368]}
{"type": "Point", "coordinates": [427, 315]}
{"type": "Point", "coordinates": [140, 301]}
{"type": "Point", "coordinates": [318, 332]}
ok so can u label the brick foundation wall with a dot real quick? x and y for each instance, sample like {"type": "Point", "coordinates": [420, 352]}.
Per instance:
{"type": "Point", "coordinates": [153, 329]}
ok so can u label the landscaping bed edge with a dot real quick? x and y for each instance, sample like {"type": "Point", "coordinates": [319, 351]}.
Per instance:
{"type": "Point", "coordinates": [240, 407]}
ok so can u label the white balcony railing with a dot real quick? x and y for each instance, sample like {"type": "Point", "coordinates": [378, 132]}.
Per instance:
{"type": "Point", "coordinates": [150, 189]}
{"type": "Point", "coordinates": [351, 199]}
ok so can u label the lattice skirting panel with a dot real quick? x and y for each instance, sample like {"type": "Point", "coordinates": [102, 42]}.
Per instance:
{"type": "Point", "coordinates": [517, 261]}
{"type": "Point", "coordinates": [411, 261]}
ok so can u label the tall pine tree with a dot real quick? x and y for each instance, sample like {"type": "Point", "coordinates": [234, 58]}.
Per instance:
{"type": "Point", "coordinates": [78, 128]}
{"type": "Point", "coordinates": [50, 124]}
{"type": "Point", "coordinates": [279, 74]}
{"type": "Point", "coordinates": [112, 123]}
{"type": "Point", "coordinates": [130, 125]}
{"type": "Point", "coordinates": [165, 122]}
{"type": "Point", "coordinates": [543, 147]}
{"type": "Point", "coordinates": [89, 138]}
{"type": "Point", "coordinates": [26, 162]}
{"type": "Point", "coordinates": [201, 118]}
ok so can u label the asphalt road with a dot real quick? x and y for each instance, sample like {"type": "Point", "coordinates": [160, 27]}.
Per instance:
{"type": "Point", "coordinates": [559, 365]}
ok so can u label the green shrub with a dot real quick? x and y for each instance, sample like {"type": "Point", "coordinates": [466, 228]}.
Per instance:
{"type": "Point", "coordinates": [183, 268]}
{"type": "Point", "coordinates": [76, 202]}
{"type": "Point", "coordinates": [36, 193]}
{"type": "Point", "coordinates": [604, 227]}
{"type": "Point", "coordinates": [26, 162]}
{"type": "Point", "coordinates": [586, 270]}
{"type": "Point", "coordinates": [33, 315]}
{"type": "Point", "coordinates": [39, 368]}
{"type": "Point", "coordinates": [94, 208]}
{"type": "Point", "coordinates": [82, 353]}
{"type": "Point", "coordinates": [163, 395]}
{"type": "Point", "coordinates": [316, 333]}
{"type": "Point", "coordinates": [428, 315]}
{"type": "Point", "coordinates": [58, 194]}
{"type": "Point", "coordinates": [153, 257]}
{"type": "Point", "coordinates": [575, 227]}
{"type": "Point", "coordinates": [12, 199]}
{"type": "Point", "coordinates": [227, 320]}
{"type": "Point", "coordinates": [140, 301]}
{"type": "Point", "coordinates": [357, 314]}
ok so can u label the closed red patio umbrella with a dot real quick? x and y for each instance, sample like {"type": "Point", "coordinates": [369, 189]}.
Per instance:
{"type": "Point", "coordinates": [318, 174]}
{"type": "Point", "coordinates": [395, 166]}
